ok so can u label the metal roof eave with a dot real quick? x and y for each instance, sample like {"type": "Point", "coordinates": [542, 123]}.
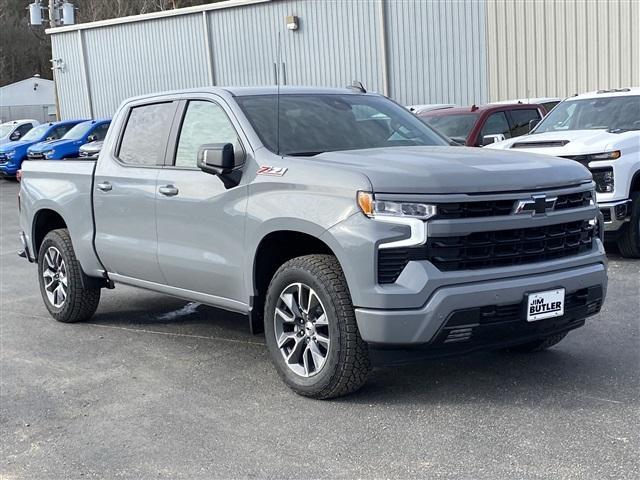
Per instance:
{"type": "Point", "coordinates": [155, 15]}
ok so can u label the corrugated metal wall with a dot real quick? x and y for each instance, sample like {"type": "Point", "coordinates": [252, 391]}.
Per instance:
{"type": "Point", "coordinates": [335, 43]}
{"type": "Point", "coordinates": [137, 58]}
{"type": "Point", "coordinates": [437, 51]}
{"type": "Point", "coordinates": [70, 80]}
{"type": "Point", "coordinates": [561, 47]}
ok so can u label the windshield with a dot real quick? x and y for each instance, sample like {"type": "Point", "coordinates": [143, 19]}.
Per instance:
{"type": "Point", "coordinates": [79, 131]}
{"type": "Point", "coordinates": [6, 129]}
{"type": "Point", "coordinates": [606, 113]}
{"type": "Point", "coordinates": [455, 126]}
{"type": "Point", "coordinates": [36, 132]}
{"type": "Point", "coordinates": [314, 123]}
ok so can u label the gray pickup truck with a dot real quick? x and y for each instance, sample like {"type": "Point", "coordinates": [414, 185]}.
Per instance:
{"type": "Point", "coordinates": [343, 227]}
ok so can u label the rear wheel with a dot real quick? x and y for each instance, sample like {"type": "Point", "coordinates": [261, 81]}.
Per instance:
{"type": "Point", "coordinates": [539, 345]}
{"type": "Point", "coordinates": [311, 330]}
{"type": "Point", "coordinates": [60, 278]}
{"type": "Point", "coordinates": [629, 242]}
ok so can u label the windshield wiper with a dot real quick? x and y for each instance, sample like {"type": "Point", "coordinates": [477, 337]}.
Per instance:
{"type": "Point", "coordinates": [303, 154]}
{"type": "Point", "coordinates": [622, 130]}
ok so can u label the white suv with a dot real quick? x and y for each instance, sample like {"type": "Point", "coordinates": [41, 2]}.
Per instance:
{"type": "Point", "coordinates": [601, 130]}
{"type": "Point", "coordinates": [15, 130]}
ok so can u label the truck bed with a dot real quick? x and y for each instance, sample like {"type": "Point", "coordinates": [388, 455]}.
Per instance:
{"type": "Point", "coordinates": [64, 187]}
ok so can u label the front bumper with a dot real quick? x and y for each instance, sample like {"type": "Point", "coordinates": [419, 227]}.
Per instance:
{"type": "Point", "coordinates": [615, 214]}
{"type": "Point", "coordinates": [421, 326]}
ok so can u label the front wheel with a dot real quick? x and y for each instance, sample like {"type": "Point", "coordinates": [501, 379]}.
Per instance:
{"type": "Point", "coordinates": [311, 330]}
{"type": "Point", "coordinates": [60, 278]}
{"type": "Point", "coordinates": [629, 242]}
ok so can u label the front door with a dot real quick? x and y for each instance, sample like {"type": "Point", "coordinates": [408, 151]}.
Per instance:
{"type": "Point", "coordinates": [200, 221]}
{"type": "Point", "coordinates": [125, 193]}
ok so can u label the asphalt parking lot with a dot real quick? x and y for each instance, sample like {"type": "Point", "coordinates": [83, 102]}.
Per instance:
{"type": "Point", "coordinates": [155, 387]}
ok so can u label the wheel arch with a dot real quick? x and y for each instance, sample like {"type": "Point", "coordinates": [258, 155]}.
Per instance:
{"type": "Point", "coordinates": [44, 221]}
{"type": "Point", "coordinates": [634, 186]}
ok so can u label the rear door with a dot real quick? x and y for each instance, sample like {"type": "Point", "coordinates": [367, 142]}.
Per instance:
{"type": "Point", "coordinates": [200, 220]}
{"type": "Point", "coordinates": [125, 192]}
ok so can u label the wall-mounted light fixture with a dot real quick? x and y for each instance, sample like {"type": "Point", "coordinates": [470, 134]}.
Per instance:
{"type": "Point", "coordinates": [292, 22]}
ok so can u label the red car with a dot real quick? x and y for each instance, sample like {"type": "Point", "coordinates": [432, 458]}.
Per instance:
{"type": "Point", "coordinates": [477, 126]}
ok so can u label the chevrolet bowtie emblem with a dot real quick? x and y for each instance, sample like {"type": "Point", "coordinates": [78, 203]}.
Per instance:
{"type": "Point", "coordinates": [536, 205]}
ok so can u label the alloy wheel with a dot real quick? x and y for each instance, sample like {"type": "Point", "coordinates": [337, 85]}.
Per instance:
{"type": "Point", "coordinates": [301, 328]}
{"type": "Point", "coordinates": [55, 277]}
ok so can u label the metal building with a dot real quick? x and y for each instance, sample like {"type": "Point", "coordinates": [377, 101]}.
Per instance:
{"type": "Point", "coordinates": [32, 98]}
{"type": "Point", "coordinates": [415, 51]}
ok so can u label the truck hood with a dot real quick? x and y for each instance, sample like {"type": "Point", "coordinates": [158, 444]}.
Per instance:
{"type": "Point", "coordinates": [17, 145]}
{"type": "Point", "coordinates": [51, 145]}
{"type": "Point", "coordinates": [457, 169]}
{"type": "Point", "coordinates": [571, 142]}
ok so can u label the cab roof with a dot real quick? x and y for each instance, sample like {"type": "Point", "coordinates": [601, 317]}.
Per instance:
{"type": "Point", "coordinates": [477, 109]}
{"type": "Point", "coordinates": [611, 92]}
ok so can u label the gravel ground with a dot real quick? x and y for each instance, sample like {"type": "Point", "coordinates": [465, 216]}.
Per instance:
{"type": "Point", "coordinates": [155, 387]}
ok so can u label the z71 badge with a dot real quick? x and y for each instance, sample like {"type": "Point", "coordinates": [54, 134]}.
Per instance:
{"type": "Point", "coordinates": [272, 171]}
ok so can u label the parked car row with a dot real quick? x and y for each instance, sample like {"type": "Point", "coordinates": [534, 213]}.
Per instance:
{"type": "Point", "coordinates": [600, 129]}
{"type": "Point", "coordinates": [50, 141]}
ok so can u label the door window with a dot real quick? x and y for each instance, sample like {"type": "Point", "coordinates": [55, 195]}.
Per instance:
{"type": "Point", "coordinates": [22, 129]}
{"type": "Point", "coordinates": [204, 122]}
{"type": "Point", "coordinates": [521, 119]}
{"type": "Point", "coordinates": [145, 136]}
{"type": "Point", "coordinates": [59, 131]}
{"type": "Point", "coordinates": [101, 131]}
{"type": "Point", "coordinates": [496, 124]}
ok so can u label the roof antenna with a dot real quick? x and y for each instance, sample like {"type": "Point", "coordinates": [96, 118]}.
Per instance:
{"type": "Point", "coordinates": [278, 95]}
{"type": "Point", "coordinates": [356, 85]}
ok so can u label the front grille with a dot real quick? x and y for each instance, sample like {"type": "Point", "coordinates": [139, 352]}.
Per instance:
{"type": "Point", "coordinates": [497, 323]}
{"type": "Point", "coordinates": [494, 208]}
{"type": "Point", "coordinates": [499, 248]}
{"type": "Point", "coordinates": [35, 156]}
{"type": "Point", "coordinates": [606, 214]}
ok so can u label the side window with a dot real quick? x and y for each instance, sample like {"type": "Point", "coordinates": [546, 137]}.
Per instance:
{"type": "Point", "coordinates": [496, 124]}
{"type": "Point", "coordinates": [59, 132]}
{"type": "Point", "coordinates": [145, 135]}
{"type": "Point", "coordinates": [521, 119]}
{"type": "Point", "coordinates": [22, 129]}
{"type": "Point", "coordinates": [204, 122]}
{"type": "Point", "coordinates": [101, 131]}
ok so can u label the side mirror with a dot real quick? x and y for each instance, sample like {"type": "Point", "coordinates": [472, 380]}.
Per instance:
{"type": "Point", "coordinates": [489, 139]}
{"type": "Point", "coordinates": [92, 138]}
{"type": "Point", "coordinates": [216, 158]}
{"type": "Point", "coordinates": [15, 136]}
{"type": "Point", "coordinates": [533, 123]}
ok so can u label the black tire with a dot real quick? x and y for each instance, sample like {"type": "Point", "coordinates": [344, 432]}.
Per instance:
{"type": "Point", "coordinates": [347, 361]}
{"type": "Point", "coordinates": [80, 303]}
{"type": "Point", "coordinates": [629, 242]}
{"type": "Point", "coordinates": [539, 345]}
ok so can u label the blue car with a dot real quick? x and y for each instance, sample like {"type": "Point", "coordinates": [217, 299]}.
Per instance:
{"type": "Point", "coordinates": [13, 153]}
{"type": "Point", "coordinates": [69, 145]}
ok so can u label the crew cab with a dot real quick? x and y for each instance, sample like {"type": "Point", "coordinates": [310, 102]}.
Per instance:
{"type": "Point", "coordinates": [12, 154]}
{"type": "Point", "coordinates": [477, 126]}
{"type": "Point", "coordinates": [69, 145]}
{"type": "Point", "coordinates": [600, 130]}
{"type": "Point", "coordinates": [15, 130]}
{"type": "Point", "coordinates": [334, 219]}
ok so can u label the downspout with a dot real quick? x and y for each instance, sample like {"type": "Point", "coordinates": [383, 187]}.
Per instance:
{"type": "Point", "coordinates": [382, 15]}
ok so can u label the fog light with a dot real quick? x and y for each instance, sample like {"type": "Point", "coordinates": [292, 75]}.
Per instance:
{"type": "Point", "coordinates": [621, 211]}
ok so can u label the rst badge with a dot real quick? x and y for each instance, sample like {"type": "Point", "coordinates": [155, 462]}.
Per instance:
{"type": "Point", "coordinates": [272, 171]}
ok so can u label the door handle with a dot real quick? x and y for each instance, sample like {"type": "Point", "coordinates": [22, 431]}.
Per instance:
{"type": "Point", "coordinates": [168, 190]}
{"type": "Point", "coordinates": [104, 186]}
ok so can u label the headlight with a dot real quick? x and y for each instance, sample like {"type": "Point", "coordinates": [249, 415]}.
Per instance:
{"type": "Point", "coordinates": [48, 154]}
{"type": "Point", "coordinates": [604, 156]}
{"type": "Point", "coordinates": [10, 154]}
{"type": "Point", "coordinates": [604, 179]}
{"type": "Point", "coordinates": [375, 208]}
